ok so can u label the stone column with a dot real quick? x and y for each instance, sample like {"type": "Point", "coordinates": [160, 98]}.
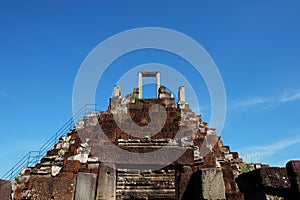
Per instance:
{"type": "Point", "coordinates": [117, 91]}
{"type": "Point", "coordinates": [157, 83]}
{"type": "Point", "coordinates": [181, 97]}
{"type": "Point", "coordinates": [107, 182]}
{"type": "Point", "coordinates": [140, 84]}
{"type": "Point", "coordinates": [181, 94]}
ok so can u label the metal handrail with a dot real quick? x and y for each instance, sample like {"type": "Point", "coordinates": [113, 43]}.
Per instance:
{"type": "Point", "coordinates": [33, 157]}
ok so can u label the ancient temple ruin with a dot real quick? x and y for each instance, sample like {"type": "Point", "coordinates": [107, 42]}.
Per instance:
{"type": "Point", "coordinates": [84, 163]}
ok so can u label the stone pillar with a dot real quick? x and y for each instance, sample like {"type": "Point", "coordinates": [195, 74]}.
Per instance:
{"type": "Point", "coordinates": [181, 97]}
{"type": "Point", "coordinates": [157, 83]}
{"type": "Point", "coordinates": [86, 186]}
{"type": "Point", "coordinates": [117, 91]}
{"type": "Point", "coordinates": [106, 182]}
{"type": "Point", "coordinates": [181, 94]}
{"type": "Point", "coordinates": [140, 84]}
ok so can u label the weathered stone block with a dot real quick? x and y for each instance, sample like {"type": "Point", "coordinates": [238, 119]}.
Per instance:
{"type": "Point", "coordinates": [71, 166]}
{"type": "Point", "coordinates": [183, 180]}
{"type": "Point", "coordinates": [271, 177]}
{"type": "Point", "coordinates": [212, 184]}
{"type": "Point", "coordinates": [86, 186]}
{"type": "Point", "coordinates": [205, 184]}
{"type": "Point", "coordinates": [293, 170]}
{"type": "Point", "coordinates": [94, 171]}
{"type": "Point", "coordinates": [53, 188]}
{"type": "Point", "coordinates": [106, 189]}
{"type": "Point", "coordinates": [5, 190]}
{"type": "Point", "coordinates": [187, 158]}
{"type": "Point", "coordinates": [53, 152]}
{"type": "Point", "coordinates": [231, 190]}
{"type": "Point", "coordinates": [209, 160]}
{"type": "Point", "coordinates": [265, 183]}
{"type": "Point", "coordinates": [55, 170]}
{"type": "Point", "coordinates": [65, 175]}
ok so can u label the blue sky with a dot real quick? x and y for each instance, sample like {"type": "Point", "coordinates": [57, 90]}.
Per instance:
{"type": "Point", "coordinates": [256, 46]}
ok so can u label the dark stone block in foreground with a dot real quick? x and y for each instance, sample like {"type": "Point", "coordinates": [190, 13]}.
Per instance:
{"type": "Point", "coordinates": [185, 175]}
{"type": "Point", "coordinates": [205, 184]}
{"type": "Point", "coordinates": [264, 178]}
{"type": "Point", "coordinates": [293, 170]}
{"type": "Point", "coordinates": [265, 183]}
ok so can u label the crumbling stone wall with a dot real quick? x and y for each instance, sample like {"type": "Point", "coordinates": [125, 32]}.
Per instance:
{"type": "Point", "coordinates": [206, 170]}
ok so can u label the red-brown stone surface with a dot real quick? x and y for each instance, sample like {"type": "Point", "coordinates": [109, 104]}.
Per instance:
{"type": "Point", "coordinates": [67, 175]}
{"type": "Point", "coordinates": [53, 188]}
{"type": "Point", "coordinates": [72, 166]}
{"type": "Point", "coordinates": [231, 189]}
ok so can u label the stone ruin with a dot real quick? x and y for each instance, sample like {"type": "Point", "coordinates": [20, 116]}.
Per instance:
{"type": "Point", "coordinates": [271, 183]}
{"type": "Point", "coordinates": [75, 169]}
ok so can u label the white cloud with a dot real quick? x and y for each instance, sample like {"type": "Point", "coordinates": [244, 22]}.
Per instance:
{"type": "Point", "coordinates": [254, 101]}
{"type": "Point", "coordinates": [273, 148]}
{"type": "Point", "coordinates": [290, 97]}
{"type": "Point", "coordinates": [256, 154]}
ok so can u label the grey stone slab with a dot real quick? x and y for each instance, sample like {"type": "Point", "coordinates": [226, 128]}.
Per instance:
{"type": "Point", "coordinates": [106, 182]}
{"type": "Point", "coordinates": [213, 186]}
{"type": "Point", "coordinates": [86, 186]}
